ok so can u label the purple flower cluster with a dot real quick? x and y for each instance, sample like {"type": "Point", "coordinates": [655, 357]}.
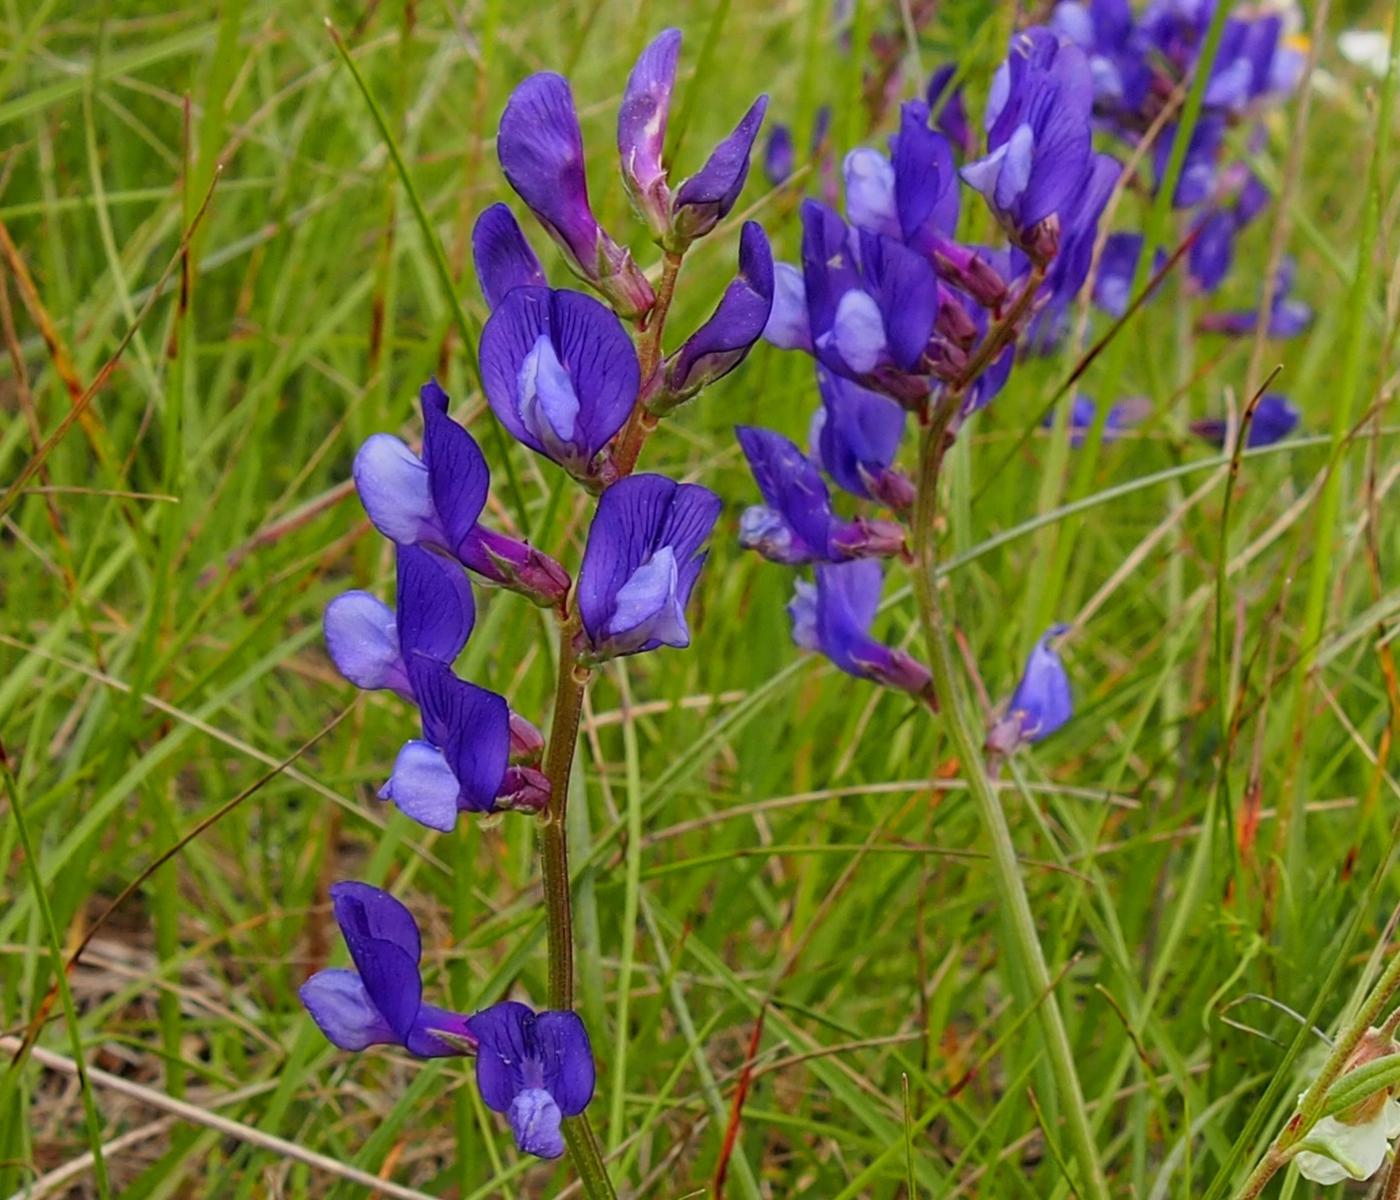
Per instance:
{"type": "Point", "coordinates": [560, 371]}
{"type": "Point", "coordinates": [1140, 63]}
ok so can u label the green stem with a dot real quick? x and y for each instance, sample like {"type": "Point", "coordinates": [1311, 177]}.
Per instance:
{"type": "Point", "coordinates": [1314, 1100]}
{"type": "Point", "coordinates": [60, 972]}
{"type": "Point", "coordinates": [962, 728]}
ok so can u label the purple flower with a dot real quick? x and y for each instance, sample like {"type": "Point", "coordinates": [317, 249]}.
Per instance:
{"type": "Point", "coordinates": [641, 129]}
{"type": "Point", "coordinates": [1041, 703]}
{"type": "Point", "coordinates": [1117, 265]}
{"type": "Point", "coordinates": [560, 372]}
{"type": "Point", "coordinates": [833, 618]}
{"type": "Point", "coordinates": [502, 256]}
{"type": "Point", "coordinates": [1121, 417]}
{"type": "Point", "coordinates": [795, 524]}
{"type": "Point", "coordinates": [433, 615]}
{"type": "Point", "coordinates": [536, 1068]}
{"type": "Point", "coordinates": [381, 1001]}
{"type": "Point", "coordinates": [641, 562]}
{"type": "Point", "coordinates": [788, 325]}
{"type": "Point", "coordinates": [1197, 178]}
{"type": "Point", "coordinates": [925, 181]}
{"type": "Point", "coordinates": [436, 500]}
{"type": "Point", "coordinates": [460, 763]}
{"type": "Point", "coordinates": [1274, 419]}
{"type": "Point", "coordinates": [871, 304]}
{"type": "Point", "coordinates": [1288, 316]}
{"type": "Point", "coordinates": [707, 197]}
{"type": "Point", "coordinates": [541, 151]}
{"type": "Point", "coordinates": [724, 341]}
{"type": "Point", "coordinates": [1213, 250]}
{"type": "Point", "coordinates": [779, 155]}
{"type": "Point", "coordinates": [1038, 138]}
{"type": "Point", "coordinates": [855, 436]}
{"type": "Point", "coordinates": [950, 113]}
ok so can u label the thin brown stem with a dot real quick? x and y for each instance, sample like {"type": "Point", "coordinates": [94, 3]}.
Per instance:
{"type": "Point", "coordinates": [641, 422]}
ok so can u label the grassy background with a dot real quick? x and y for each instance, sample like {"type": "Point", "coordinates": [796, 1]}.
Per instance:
{"type": "Point", "coordinates": [757, 834]}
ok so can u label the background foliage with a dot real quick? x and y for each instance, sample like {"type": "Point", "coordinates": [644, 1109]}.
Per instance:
{"type": "Point", "coordinates": [803, 900]}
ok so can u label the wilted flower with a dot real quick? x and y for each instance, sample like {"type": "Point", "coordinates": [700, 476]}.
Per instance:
{"type": "Point", "coordinates": [536, 1068]}
{"type": "Point", "coordinates": [541, 151]}
{"type": "Point", "coordinates": [726, 338]}
{"type": "Point", "coordinates": [640, 564]}
{"type": "Point", "coordinates": [561, 374]}
{"type": "Point", "coordinates": [436, 500]}
{"type": "Point", "coordinates": [833, 618]}
{"type": "Point", "coordinates": [1041, 703]}
{"type": "Point", "coordinates": [1274, 419]}
{"type": "Point", "coordinates": [1353, 1144]}
{"type": "Point", "coordinates": [796, 523]}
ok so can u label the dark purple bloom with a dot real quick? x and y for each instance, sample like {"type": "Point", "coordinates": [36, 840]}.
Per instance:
{"type": "Point", "coordinates": [855, 436]}
{"type": "Point", "coordinates": [949, 111]}
{"type": "Point", "coordinates": [433, 614]}
{"type": "Point", "coordinates": [706, 198]}
{"type": "Point", "coordinates": [541, 151]}
{"type": "Point", "coordinates": [1288, 316]}
{"type": "Point", "coordinates": [1213, 250]}
{"type": "Point", "coordinates": [871, 322]}
{"type": "Point", "coordinates": [502, 256]}
{"type": "Point", "coordinates": [1197, 179]}
{"type": "Point", "coordinates": [1121, 417]}
{"type": "Point", "coordinates": [1118, 62]}
{"type": "Point", "coordinates": [641, 129]}
{"type": "Point", "coordinates": [779, 155]}
{"type": "Point", "coordinates": [460, 763]}
{"type": "Point", "coordinates": [537, 1068]}
{"type": "Point", "coordinates": [641, 562]}
{"type": "Point", "coordinates": [795, 524]}
{"type": "Point", "coordinates": [1274, 419]}
{"type": "Point", "coordinates": [560, 372]}
{"type": "Point", "coordinates": [436, 500]}
{"type": "Point", "coordinates": [1117, 265]}
{"type": "Point", "coordinates": [724, 341]}
{"type": "Point", "coordinates": [1038, 136]}
{"type": "Point", "coordinates": [834, 618]}
{"type": "Point", "coordinates": [1041, 703]}
{"type": "Point", "coordinates": [381, 1001]}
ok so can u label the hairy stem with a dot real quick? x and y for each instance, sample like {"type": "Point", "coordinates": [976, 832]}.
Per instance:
{"type": "Point", "coordinates": [963, 728]}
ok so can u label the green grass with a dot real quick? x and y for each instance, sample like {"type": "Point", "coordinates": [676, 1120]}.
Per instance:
{"type": "Point", "coordinates": [755, 836]}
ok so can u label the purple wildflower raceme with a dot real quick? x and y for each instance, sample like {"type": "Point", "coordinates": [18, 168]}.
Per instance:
{"type": "Point", "coordinates": [855, 437]}
{"type": "Point", "coordinates": [1041, 703]}
{"type": "Point", "coordinates": [1288, 316]}
{"type": "Point", "coordinates": [435, 501]}
{"type": "Point", "coordinates": [795, 524]}
{"type": "Point", "coordinates": [1274, 419]}
{"type": "Point", "coordinates": [380, 1002]}
{"type": "Point", "coordinates": [833, 618]}
{"type": "Point", "coordinates": [502, 256]}
{"type": "Point", "coordinates": [540, 147]}
{"type": "Point", "coordinates": [561, 374]}
{"type": "Point", "coordinates": [641, 563]}
{"type": "Point", "coordinates": [723, 341]}
{"type": "Point", "coordinates": [536, 1068]}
